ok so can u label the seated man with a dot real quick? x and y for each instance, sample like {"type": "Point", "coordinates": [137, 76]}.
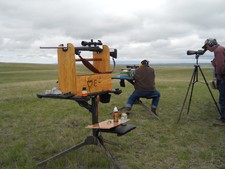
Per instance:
{"type": "Point", "coordinates": [144, 84]}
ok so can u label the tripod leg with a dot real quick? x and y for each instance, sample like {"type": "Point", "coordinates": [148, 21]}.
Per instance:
{"type": "Point", "coordinates": [110, 142]}
{"type": "Point", "coordinates": [189, 102]}
{"type": "Point", "coordinates": [87, 141]}
{"type": "Point", "coordinates": [109, 154]}
{"type": "Point", "coordinates": [192, 81]}
{"type": "Point", "coordinates": [209, 90]}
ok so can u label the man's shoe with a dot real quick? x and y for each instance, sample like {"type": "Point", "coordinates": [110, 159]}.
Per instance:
{"type": "Point", "coordinates": [219, 123]}
{"type": "Point", "coordinates": [153, 110]}
{"type": "Point", "coordinates": [127, 110]}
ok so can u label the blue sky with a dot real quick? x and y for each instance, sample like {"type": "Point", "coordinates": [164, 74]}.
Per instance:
{"type": "Point", "coordinates": [161, 31]}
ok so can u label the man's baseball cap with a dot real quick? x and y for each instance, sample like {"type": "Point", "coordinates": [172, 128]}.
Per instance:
{"type": "Point", "coordinates": [211, 42]}
{"type": "Point", "coordinates": [145, 62]}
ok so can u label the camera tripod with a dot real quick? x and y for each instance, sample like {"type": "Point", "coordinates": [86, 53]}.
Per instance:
{"type": "Point", "coordinates": [194, 79]}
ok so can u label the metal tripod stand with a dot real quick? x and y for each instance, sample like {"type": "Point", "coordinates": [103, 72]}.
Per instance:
{"type": "Point", "coordinates": [94, 139]}
{"type": "Point", "coordinates": [194, 79]}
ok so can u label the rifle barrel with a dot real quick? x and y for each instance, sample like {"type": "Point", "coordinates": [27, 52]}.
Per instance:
{"type": "Point", "coordinates": [77, 49]}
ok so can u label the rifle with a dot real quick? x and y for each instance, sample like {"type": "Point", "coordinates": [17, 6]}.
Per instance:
{"type": "Point", "coordinates": [88, 46]}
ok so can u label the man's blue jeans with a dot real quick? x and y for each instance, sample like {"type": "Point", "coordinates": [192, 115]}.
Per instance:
{"type": "Point", "coordinates": [221, 86]}
{"type": "Point", "coordinates": [136, 94]}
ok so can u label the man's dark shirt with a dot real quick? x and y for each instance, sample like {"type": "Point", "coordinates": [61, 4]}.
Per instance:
{"type": "Point", "coordinates": [144, 79]}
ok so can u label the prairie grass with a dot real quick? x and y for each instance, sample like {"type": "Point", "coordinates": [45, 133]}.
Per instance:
{"type": "Point", "coordinates": [33, 129]}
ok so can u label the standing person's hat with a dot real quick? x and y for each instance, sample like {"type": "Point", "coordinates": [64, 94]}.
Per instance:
{"type": "Point", "coordinates": [211, 42]}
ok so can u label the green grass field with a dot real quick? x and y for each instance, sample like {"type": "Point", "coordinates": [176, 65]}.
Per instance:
{"type": "Point", "coordinates": [33, 129]}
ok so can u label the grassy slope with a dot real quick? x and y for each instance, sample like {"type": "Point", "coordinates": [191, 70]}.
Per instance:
{"type": "Point", "coordinates": [33, 129]}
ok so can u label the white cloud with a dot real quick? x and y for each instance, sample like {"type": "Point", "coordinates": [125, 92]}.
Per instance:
{"type": "Point", "coordinates": [161, 30]}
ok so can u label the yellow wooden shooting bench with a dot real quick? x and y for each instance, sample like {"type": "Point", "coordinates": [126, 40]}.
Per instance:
{"type": "Point", "coordinates": [69, 81]}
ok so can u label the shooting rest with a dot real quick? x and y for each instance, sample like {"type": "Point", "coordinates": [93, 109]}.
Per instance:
{"type": "Point", "coordinates": [138, 101]}
{"type": "Point", "coordinates": [96, 137]}
{"type": "Point", "coordinates": [68, 79]}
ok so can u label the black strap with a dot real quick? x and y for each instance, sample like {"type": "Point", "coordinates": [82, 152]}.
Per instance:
{"type": "Point", "coordinates": [92, 68]}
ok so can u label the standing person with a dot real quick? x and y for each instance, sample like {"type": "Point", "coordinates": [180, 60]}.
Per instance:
{"type": "Point", "coordinates": [219, 64]}
{"type": "Point", "coordinates": [144, 85]}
